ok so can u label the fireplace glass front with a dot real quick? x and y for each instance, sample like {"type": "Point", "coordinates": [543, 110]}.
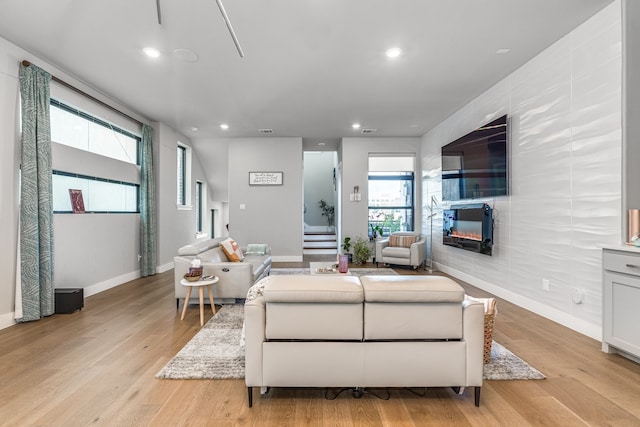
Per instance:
{"type": "Point", "coordinates": [469, 227]}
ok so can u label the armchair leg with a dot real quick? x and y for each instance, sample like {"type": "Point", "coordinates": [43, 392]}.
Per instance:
{"type": "Point", "coordinates": [476, 392]}
{"type": "Point", "coordinates": [250, 395]}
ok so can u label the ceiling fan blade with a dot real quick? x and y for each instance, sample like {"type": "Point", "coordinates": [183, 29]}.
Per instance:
{"type": "Point", "coordinates": [230, 28]}
{"type": "Point", "coordinates": [159, 12]}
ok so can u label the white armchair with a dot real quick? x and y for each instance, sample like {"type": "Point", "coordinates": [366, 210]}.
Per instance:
{"type": "Point", "coordinates": [402, 248]}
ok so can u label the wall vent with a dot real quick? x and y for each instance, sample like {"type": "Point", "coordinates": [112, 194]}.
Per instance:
{"type": "Point", "coordinates": [265, 131]}
{"type": "Point", "coordinates": [368, 130]}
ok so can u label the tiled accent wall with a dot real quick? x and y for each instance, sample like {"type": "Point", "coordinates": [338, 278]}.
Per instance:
{"type": "Point", "coordinates": [564, 109]}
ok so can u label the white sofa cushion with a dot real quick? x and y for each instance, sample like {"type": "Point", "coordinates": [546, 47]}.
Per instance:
{"type": "Point", "coordinates": [313, 308]}
{"type": "Point", "coordinates": [412, 307]}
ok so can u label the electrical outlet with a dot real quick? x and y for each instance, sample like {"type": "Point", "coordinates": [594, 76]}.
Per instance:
{"type": "Point", "coordinates": [577, 295]}
{"type": "Point", "coordinates": [545, 285]}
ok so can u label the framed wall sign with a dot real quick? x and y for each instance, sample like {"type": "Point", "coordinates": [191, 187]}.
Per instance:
{"type": "Point", "coordinates": [265, 178]}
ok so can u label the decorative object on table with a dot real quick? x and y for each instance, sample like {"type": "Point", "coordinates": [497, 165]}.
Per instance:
{"type": "Point", "coordinates": [636, 239]}
{"type": "Point", "coordinates": [266, 178]}
{"type": "Point", "coordinates": [77, 202]}
{"type": "Point", "coordinates": [361, 251]}
{"type": "Point", "coordinates": [195, 271]}
{"type": "Point", "coordinates": [343, 263]}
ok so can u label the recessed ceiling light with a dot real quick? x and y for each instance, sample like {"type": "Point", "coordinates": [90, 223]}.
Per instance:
{"type": "Point", "coordinates": [194, 129]}
{"type": "Point", "coordinates": [503, 51]}
{"type": "Point", "coordinates": [393, 53]}
{"type": "Point", "coordinates": [186, 55]}
{"type": "Point", "coordinates": [356, 125]}
{"type": "Point", "coordinates": [321, 144]}
{"type": "Point", "coordinates": [224, 126]}
{"type": "Point", "coordinates": [151, 52]}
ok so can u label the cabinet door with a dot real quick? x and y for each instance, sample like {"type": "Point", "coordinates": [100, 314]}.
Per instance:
{"type": "Point", "coordinates": [621, 312]}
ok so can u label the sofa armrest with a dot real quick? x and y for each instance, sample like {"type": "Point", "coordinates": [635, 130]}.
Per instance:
{"type": "Point", "coordinates": [473, 336]}
{"type": "Point", "coordinates": [254, 330]}
{"type": "Point", "coordinates": [418, 252]}
{"type": "Point", "coordinates": [380, 245]}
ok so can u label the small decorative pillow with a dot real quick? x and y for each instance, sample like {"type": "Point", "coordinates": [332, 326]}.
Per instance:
{"type": "Point", "coordinates": [231, 250]}
{"type": "Point", "coordinates": [401, 241]}
{"type": "Point", "coordinates": [256, 249]}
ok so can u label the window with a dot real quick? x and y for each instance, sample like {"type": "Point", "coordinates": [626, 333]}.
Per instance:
{"type": "Point", "coordinates": [391, 193]}
{"type": "Point", "coordinates": [182, 175]}
{"type": "Point", "coordinates": [117, 156]}
{"type": "Point", "coordinates": [75, 128]}
{"type": "Point", "coordinates": [99, 195]}
{"type": "Point", "coordinates": [199, 206]}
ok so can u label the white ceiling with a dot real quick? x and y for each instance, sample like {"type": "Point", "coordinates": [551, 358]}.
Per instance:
{"type": "Point", "coordinates": [311, 67]}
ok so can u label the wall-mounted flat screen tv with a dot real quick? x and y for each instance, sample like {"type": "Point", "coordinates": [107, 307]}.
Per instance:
{"type": "Point", "coordinates": [475, 166]}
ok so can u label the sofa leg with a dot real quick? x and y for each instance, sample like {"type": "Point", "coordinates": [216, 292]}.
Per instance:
{"type": "Point", "coordinates": [476, 392]}
{"type": "Point", "coordinates": [177, 303]}
{"type": "Point", "coordinates": [250, 395]}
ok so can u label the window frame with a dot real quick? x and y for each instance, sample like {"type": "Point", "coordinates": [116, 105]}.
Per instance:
{"type": "Point", "coordinates": [56, 103]}
{"type": "Point", "coordinates": [393, 176]}
{"type": "Point", "coordinates": [95, 178]}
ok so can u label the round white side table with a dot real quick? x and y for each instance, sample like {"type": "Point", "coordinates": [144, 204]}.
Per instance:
{"type": "Point", "coordinates": [200, 284]}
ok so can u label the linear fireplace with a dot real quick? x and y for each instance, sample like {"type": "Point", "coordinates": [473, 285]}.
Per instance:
{"type": "Point", "coordinates": [469, 227]}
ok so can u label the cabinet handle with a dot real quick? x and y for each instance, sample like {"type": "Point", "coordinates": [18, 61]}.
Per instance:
{"type": "Point", "coordinates": [633, 266]}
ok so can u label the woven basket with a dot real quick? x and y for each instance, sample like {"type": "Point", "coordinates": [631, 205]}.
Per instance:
{"type": "Point", "coordinates": [489, 319]}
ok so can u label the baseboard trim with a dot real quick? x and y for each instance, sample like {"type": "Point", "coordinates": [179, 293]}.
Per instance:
{"type": "Point", "coordinates": [165, 267]}
{"type": "Point", "coordinates": [111, 283]}
{"type": "Point", "coordinates": [565, 319]}
{"type": "Point", "coordinates": [7, 320]}
{"type": "Point", "coordinates": [293, 258]}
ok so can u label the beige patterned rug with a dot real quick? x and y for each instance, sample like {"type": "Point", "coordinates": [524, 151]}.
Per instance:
{"type": "Point", "coordinates": [216, 352]}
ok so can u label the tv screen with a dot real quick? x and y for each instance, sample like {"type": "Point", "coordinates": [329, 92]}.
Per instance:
{"type": "Point", "coordinates": [475, 165]}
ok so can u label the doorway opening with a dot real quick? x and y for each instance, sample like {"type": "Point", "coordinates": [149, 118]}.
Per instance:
{"type": "Point", "coordinates": [320, 203]}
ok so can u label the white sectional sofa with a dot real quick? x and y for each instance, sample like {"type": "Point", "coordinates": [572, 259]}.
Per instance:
{"type": "Point", "coordinates": [359, 332]}
{"type": "Point", "coordinates": [235, 278]}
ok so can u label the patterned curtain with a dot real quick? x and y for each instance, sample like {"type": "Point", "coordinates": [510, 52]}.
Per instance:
{"type": "Point", "coordinates": [36, 207]}
{"type": "Point", "coordinates": [147, 206]}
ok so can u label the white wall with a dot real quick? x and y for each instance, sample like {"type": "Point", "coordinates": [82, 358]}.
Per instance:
{"type": "Point", "coordinates": [176, 225]}
{"type": "Point", "coordinates": [271, 214]}
{"type": "Point", "coordinates": [355, 172]}
{"type": "Point", "coordinates": [564, 110]}
{"type": "Point", "coordinates": [9, 165]}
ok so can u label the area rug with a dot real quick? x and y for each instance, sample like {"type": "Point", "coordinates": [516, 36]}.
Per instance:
{"type": "Point", "coordinates": [215, 352]}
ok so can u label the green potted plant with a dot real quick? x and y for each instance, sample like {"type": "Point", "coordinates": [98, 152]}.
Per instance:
{"type": "Point", "coordinates": [346, 246]}
{"type": "Point", "coordinates": [329, 211]}
{"type": "Point", "coordinates": [361, 251]}
{"type": "Point", "coordinates": [376, 231]}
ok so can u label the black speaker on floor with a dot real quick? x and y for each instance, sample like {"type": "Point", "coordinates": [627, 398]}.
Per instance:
{"type": "Point", "coordinates": [69, 300]}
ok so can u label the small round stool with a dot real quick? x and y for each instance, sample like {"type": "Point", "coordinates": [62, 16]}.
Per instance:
{"type": "Point", "coordinates": [201, 284]}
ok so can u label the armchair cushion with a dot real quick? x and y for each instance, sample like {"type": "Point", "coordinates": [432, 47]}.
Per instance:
{"type": "Point", "coordinates": [396, 240]}
{"type": "Point", "coordinates": [232, 250]}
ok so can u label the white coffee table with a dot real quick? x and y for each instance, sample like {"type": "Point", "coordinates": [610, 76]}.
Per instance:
{"type": "Point", "coordinates": [316, 269]}
{"type": "Point", "coordinates": [200, 284]}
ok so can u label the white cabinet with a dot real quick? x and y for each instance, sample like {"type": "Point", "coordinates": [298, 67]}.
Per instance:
{"type": "Point", "coordinates": [621, 297]}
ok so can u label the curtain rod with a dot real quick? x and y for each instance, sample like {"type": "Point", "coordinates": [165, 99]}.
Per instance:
{"type": "Point", "coordinates": [83, 93]}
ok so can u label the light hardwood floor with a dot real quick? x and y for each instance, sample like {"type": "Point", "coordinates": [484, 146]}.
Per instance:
{"type": "Point", "coordinates": [97, 367]}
